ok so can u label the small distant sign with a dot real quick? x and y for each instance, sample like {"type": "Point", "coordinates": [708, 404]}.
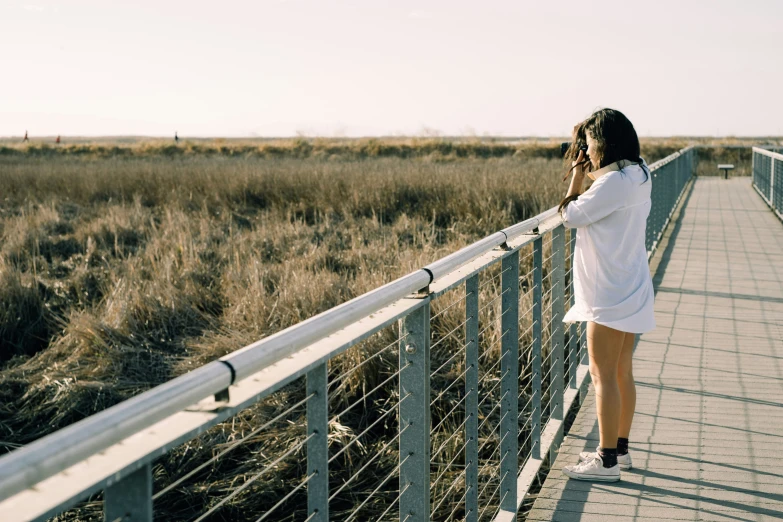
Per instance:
{"type": "Point", "coordinates": [725, 167]}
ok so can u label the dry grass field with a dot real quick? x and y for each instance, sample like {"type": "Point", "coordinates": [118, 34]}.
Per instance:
{"type": "Point", "coordinates": [125, 265]}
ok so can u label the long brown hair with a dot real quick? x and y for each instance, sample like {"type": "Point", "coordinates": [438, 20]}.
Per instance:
{"type": "Point", "coordinates": [615, 139]}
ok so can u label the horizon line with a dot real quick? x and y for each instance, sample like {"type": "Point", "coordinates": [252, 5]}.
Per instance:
{"type": "Point", "coordinates": [372, 136]}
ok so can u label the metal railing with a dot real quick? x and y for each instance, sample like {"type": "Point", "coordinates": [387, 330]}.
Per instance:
{"type": "Point", "coordinates": [768, 177]}
{"type": "Point", "coordinates": [676, 170]}
{"type": "Point", "coordinates": [437, 396]}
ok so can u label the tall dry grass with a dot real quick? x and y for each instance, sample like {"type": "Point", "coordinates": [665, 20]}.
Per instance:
{"type": "Point", "coordinates": [121, 273]}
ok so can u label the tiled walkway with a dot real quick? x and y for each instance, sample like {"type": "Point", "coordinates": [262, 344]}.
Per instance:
{"type": "Point", "coordinates": [707, 438]}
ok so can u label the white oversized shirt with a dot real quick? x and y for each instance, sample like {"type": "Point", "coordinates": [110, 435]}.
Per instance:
{"type": "Point", "coordinates": [611, 276]}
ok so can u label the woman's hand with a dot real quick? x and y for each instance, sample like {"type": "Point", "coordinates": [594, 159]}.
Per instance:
{"type": "Point", "coordinates": [577, 166]}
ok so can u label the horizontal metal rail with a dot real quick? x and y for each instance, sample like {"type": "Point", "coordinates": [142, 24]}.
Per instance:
{"type": "Point", "coordinates": [113, 450]}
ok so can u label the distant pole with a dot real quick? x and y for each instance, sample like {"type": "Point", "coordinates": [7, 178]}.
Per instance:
{"type": "Point", "coordinates": [25, 137]}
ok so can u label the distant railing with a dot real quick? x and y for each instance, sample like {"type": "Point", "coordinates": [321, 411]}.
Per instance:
{"type": "Point", "coordinates": [768, 177]}
{"type": "Point", "coordinates": [675, 171]}
{"type": "Point", "coordinates": [437, 396]}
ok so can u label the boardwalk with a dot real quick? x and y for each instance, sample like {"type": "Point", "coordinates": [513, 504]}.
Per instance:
{"type": "Point", "coordinates": [708, 431]}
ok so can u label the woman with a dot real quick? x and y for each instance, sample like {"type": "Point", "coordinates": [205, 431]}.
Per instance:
{"type": "Point", "coordinates": [612, 285]}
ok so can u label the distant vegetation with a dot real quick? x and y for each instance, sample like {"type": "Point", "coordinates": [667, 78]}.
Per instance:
{"type": "Point", "coordinates": [123, 266]}
{"type": "Point", "coordinates": [345, 149]}
{"type": "Point", "coordinates": [359, 148]}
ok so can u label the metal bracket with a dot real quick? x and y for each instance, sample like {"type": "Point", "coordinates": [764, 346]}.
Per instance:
{"type": "Point", "coordinates": [424, 292]}
{"type": "Point", "coordinates": [222, 396]}
{"type": "Point", "coordinates": [421, 293]}
{"type": "Point", "coordinates": [534, 232]}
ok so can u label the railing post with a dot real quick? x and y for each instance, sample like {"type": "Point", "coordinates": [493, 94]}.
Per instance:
{"type": "Point", "coordinates": [557, 338]}
{"type": "Point", "coordinates": [573, 341]}
{"type": "Point", "coordinates": [695, 159]}
{"type": "Point", "coordinates": [671, 185]}
{"type": "Point", "coordinates": [317, 448]}
{"type": "Point", "coordinates": [771, 181]}
{"type": "Point", "coordinates": [662, 202]}
{"type": "Point", "coordinates": [129, 499]}
{"type": "Point", "coordinates": [662, 199]}
{"type": "Point", "coordinates": [777, 200]}
{"type": "Point", "coordinates": [415, 415]}
{"type": "Point", "coordinates": [471, 398]}
{"type": "Point", "coordinates": [675, 184]}
{"type": "Point", "coordinates": [651, 217]}
{"type": "Point", "coordinates": [509, 382]}
{"type": "Point", "coordinates": [535, 421]}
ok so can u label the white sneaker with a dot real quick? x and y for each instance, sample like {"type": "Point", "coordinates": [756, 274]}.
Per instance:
{"type": "Point", "coordinates": [593, 469]}
{"type": "Point", "coordinates": [623, 460]}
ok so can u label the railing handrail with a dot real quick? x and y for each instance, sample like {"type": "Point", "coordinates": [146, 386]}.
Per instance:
{"type": "Point", "coordinates": [668, 159]}
{"type": "Point", "coordinates": [34, 462]}
{"type": "Point", "coordinates": [769, 153]}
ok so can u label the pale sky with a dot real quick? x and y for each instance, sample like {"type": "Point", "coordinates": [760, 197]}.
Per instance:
{"type": "Point", "coordinates": [370, 67]}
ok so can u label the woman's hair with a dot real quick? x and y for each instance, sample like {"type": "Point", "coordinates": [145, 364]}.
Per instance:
{"type": "Point", "coordinates": [615, 139]}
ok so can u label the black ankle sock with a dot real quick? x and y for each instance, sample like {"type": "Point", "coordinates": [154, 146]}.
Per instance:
{"type": "Point", "coordinates": [609, 456]}
{"type": "Point", "coordinates": [622, 446]}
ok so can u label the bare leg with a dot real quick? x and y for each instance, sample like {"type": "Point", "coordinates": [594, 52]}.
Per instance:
{"type": "Point", "coordinates": [604, 345]}
{"type": "Point", "coordinates": [627, 386]}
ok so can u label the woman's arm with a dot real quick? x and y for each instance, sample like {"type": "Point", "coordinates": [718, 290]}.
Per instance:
{"type": "Point", "coordinates": [577, 179]}
{"type": "Point", "coordinates": [578, 176]}
{"type": "Point", "coordinates": [576, 182]}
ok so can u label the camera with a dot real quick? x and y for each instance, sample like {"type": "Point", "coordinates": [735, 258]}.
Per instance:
{"type": "Point", "coordinates": [564, 148]}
